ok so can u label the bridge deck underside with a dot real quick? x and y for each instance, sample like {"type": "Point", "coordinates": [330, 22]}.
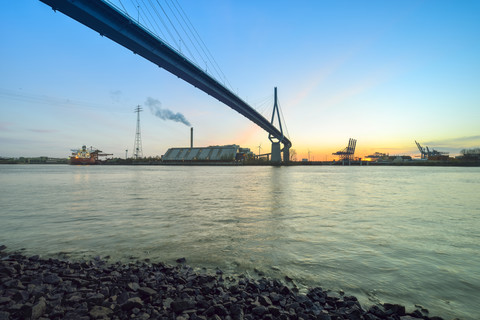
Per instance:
{"type": "Point", "coordinates": [113, 24]}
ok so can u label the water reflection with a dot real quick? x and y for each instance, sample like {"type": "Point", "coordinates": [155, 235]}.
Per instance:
{"type": "Point", "coordinates": [403, 235]}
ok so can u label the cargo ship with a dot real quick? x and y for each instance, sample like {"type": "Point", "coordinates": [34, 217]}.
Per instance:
{"type": "Point", "coordinates": [86, 156]}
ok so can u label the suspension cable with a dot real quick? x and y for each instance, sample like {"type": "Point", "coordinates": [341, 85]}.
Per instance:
{"type": "Point", "coordinates": [176, 31]}
{"type": "Point", "coordinates": [194, 37]}
{"type": "Point", "coordinates": [157, 33]}
{"type": "Point", "coordinates": [164, 23]}
{"type": "Point", "coordinates": [203, 43]}
{"type": "Point", "coordinates": [185, 32]}
{"type": "Point", "coordinates": [283, 120]}
{"type": "Point", "coordinates": [123, 6]}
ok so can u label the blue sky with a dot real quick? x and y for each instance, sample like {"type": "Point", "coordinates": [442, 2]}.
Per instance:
{"type": "Point", "coordinates": [383, 72]}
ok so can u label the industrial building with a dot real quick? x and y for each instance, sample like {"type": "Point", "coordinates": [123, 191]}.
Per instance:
{"type": "Point", "coordinates": [228, 153]}
{"type": "Point", "coordinates": [470, 154]}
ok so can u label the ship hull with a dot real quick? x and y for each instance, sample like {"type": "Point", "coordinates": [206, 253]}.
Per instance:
{"type": "Point", "coordinates": [82, 161]}
{"type": "Point", "coordinates": [86, 156]}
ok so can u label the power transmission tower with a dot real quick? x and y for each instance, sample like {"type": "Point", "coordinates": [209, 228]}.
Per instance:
{"type": "Point", "coordinates": [137, 147]}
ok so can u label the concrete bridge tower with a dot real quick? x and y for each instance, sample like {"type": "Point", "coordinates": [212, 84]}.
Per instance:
{"type": "Point", "coordinates": [276, 156]}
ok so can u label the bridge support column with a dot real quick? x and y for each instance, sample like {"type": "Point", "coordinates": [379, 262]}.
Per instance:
{"type": "Point", "coordinates": [286, 155]}
{"type": "Point", "coordinates": [276, 155]}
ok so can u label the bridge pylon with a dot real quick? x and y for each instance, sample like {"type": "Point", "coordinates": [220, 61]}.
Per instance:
{"type": "Point", "coordinates": [276, 150]}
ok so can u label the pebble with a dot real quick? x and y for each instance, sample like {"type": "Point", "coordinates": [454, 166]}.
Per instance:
{"type": "Point", "coordinates": [36, 288]}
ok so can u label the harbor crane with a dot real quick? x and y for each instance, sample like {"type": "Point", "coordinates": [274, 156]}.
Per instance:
{"type": "Point", "coordinates": [426, 153]}
{"type": "Point", "coordinates": [348, 152]}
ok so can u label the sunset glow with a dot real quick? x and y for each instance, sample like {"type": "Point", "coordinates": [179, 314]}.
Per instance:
{"type": "Point", "coordinates": [383, 73]}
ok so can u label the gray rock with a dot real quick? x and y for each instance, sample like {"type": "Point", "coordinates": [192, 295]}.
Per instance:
{"type": "Point", "coordinates": [179, 306]}
{"type": "Point", "coordinates": [116, 274]}
{"type": "Point", "coordinates": [39, 309]}
{"type": "Point", "coordinates": [181, 260]}
{"type": "Point", "coordinates": [237, 312]}
{"type": "Point", "coordinates": [324, 315]}
{"type": "Point", "coordinates": [131, 303]}
{"type": "Point", "coordinates": [52, 279]}
{"type": "Point", "coordinates": [395, 308]}
{"type": "Point", "coordinates": [96, 298]}
{"type": "Point", "coordinates": [82, 309]}
{"type": "Point", "coordinates": [220, 310]}
{"type": "Point", "coordinates": [74, 299]}
{"type": "Point", "coordinates": [5, 300]}
{"type": "Point", "coordinates": [133, 286]}
{"type": "Point", "coordinates": [14, 283]}
{"type": "Point", "coordinates": [274, 311]}
{"type": "Point", "coordinates": [72, 315]}
{"type": "Point", "coordinates": [167, 302]}
{"type": "Point", "coordinates": [95, 290]}
{"type": "Point", "coordinates": [210, 311]}
{"type": "Point", "coordinates": [264, 300]}
{"type": "Point", "coordinates": [122, 298]}
{"type": "Point", "coordinates": [20, 295]}
{"type": "Point", "coordinates": [98, 312]}
{"type": "Point", "coordinates": [146, 291]}
{"type": "Point", "coordinates": [57, 312]}
{"type": "Point", "coordinates": [333, 295]}
{"type": "Point", "coordinates": [259, 311]}
{"type": "Point", "coordinates": [285, 290]}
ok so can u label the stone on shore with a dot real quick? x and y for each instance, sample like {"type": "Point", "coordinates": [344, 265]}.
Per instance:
{"type": "Point", "coordinates": [99, 312]}
{"type": "Point", "coordinates": [35, 288]}
{"type": "Point", "coordinates": [39, 308]}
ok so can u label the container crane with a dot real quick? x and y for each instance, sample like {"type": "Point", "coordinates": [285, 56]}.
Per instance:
{"type": "Point", "coordinates": [427, 154]}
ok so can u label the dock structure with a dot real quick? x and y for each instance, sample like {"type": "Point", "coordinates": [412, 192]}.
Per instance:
{"type": "Point", "coordinates": [348, 152]}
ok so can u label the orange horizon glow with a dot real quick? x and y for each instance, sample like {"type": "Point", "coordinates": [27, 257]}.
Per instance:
{"type": "Point", "coordinates": [325, 153]}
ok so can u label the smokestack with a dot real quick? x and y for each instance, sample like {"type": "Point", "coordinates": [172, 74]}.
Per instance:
{"type": "Point", "coordinates": [191, 137]}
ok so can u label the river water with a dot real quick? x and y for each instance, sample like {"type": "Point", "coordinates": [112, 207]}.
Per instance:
{"type": "Point", "coordinates": [407, 235]}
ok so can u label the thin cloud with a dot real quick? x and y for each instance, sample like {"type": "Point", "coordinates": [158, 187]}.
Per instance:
{"type": "Point", "coordinates": [5, 126]}
{"type": "Point", "coordinates": [116, 95]}
{"type": "Point", "coordinates": [458, 142]}
{"type": "Point", "coordinates": [66, 103]}
{"type": "Point", "coordinates": [43, 130]}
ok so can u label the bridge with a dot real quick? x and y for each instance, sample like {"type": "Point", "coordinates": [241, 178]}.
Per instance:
{"type": "Point", "coordinates": [114, 24]}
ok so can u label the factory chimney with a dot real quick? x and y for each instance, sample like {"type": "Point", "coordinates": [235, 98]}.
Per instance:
{"type": "Point", "coordinates": [191, 137]}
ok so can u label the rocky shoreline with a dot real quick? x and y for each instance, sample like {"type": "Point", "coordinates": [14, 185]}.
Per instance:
{"type": "Point", "coordinates": [35, 288]}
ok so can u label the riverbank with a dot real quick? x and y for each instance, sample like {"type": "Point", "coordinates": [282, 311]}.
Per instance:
{"type": "Point", "coordinates": [157, 162]}
{"type": "Point", "coordinates": [36, 288]}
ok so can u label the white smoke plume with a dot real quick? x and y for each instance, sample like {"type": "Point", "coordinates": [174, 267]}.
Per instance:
{"type": "Point", "coordinates": [165, 114]}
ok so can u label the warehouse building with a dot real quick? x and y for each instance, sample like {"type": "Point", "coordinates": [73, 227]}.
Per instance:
{"type": "Point", "coordinates": [227, 153]}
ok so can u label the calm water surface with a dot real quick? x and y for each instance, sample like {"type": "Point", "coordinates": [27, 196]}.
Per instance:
{"type": "Point", "coordinates": [407, 235]}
